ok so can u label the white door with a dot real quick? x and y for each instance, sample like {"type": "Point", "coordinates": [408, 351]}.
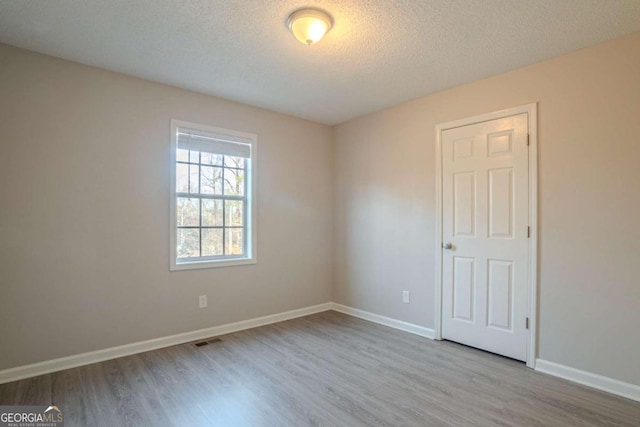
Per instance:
{"type": "Point", "coordinates": [485, 200]}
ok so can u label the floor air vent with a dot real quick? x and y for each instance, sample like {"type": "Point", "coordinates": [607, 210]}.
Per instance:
{"type": "Point", "coordinates": [209, 341]}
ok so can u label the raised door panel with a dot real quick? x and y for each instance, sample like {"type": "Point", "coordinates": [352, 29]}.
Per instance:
{"type": "Point", "coordinates": [464, 204]}
{"type": "Point", "coordinates": [501, 203]}
{"type": "Point", "coordinates": [500, 294]}
{"type": "Point", "coordinates": [463, 149]}
{"type": "Point", "coordinates": [463, 288]}
{"type": "Point", "coordinates": [500, 143]}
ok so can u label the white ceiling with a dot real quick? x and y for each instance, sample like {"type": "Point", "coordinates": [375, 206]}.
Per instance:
{"type": "Point", "coordinates": [379, 53]}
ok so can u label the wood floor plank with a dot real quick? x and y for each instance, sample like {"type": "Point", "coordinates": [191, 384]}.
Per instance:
{"type": "Point", "coordinates": [327, 369]}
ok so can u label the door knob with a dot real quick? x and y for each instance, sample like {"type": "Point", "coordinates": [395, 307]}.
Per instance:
{"type": "Point", "coordinates": [447, 245]}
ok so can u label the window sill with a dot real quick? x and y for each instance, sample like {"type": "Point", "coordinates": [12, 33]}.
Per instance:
{"type": "Point", "coordinates": [197, 265]}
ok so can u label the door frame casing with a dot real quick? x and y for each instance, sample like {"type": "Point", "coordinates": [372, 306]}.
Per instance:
{"type": "Point", "coordinates": [532, 278]}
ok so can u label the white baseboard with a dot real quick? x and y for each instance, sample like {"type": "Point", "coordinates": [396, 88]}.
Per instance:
{"type": "Point", "coordinates": [620, 388]}
{"type": "Point", "coordinates": [387, 321]}
{"type": "Point", "coordinates": [48, 366]}
{"type": "Point", "coordinates": [73, 361]}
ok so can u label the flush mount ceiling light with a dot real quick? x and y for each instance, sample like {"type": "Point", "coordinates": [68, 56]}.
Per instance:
{"type": "Point", "coordinates": [309, 25]}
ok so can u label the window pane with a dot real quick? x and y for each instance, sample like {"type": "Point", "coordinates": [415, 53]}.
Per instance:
{"type": "Point", "coordinates": [211, 180]}
{"type": "Point", "coordinates": [187, 212]}
{"type": "Point", "coordinates": [211, 213]}
{"type": "Point", "coordinates": [182, 155]}
{"type": "Point", "coordinates": [182, 177]}
{"type": "Point", "coordinates": [211, 241]}
{"type": "Point", "coordinates": [234, 182]}
{"type": "Point", "coordinates": [234, 213]}
{"type": "Point", "coordinates": [234, 162]}
{"type": "Point", "coordinates": [188, 242]}
{"type": "Point", "coordinates": [211, 159]}
{"type": "Point", "coordinates": [194, 177]}
{"type": "Point", "coordinates": [194, 156]}
{"type": "Point", "coordinates": [233, 241]}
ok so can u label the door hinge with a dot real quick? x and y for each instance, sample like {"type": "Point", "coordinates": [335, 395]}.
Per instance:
{"type": "Point", "coordinates": [528, 232]}
{"type": "Point", "coordinates": [527, 323]}
{"type": "Point", "coordinates": [527, 140]}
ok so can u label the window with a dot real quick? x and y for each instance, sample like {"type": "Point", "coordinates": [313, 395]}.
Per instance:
{"type": "Point", "coordinates": [212, 197]}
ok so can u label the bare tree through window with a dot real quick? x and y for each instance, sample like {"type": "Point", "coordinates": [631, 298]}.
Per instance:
{"type": "Point", "coordinates": [211, 204]}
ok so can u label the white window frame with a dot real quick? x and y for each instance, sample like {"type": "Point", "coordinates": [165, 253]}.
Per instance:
{"type": "Point", "coordinates": [251, 210]}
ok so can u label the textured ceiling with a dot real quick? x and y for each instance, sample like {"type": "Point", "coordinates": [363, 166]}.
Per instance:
{"type": "Point", "coordinates": [379, 53]}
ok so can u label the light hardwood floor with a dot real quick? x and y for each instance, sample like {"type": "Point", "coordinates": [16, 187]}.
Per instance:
{"type": "Point", "coordinates": [324, 369]}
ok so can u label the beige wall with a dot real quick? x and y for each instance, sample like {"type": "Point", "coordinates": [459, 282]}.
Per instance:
{"type": "Point", "coordinates": [84, 208]}
{"type": "Point", "coordinates": [589, 203]}
{"type": "Point", "coordinates": [84, 212]}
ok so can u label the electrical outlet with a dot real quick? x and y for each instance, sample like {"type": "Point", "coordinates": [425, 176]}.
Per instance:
{"type": "Point", "coordinates": [202, 301]}
{"type": "Point", "coordinates": [405, 297]}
